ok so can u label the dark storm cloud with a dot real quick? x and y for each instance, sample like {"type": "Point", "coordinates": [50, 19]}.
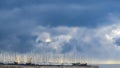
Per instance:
{"type": "Point", "coordinates": [56, 13]}
{"type": "Point", "coordinates": [16, 40]}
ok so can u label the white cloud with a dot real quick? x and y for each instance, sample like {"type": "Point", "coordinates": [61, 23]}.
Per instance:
{"type": "Point", "coordinates": [99, 41]}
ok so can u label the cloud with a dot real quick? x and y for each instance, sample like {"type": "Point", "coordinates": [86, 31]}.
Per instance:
{"type": "Point", "coordinates": [97, 43]}
{"type": "Point", "coordinates": [70, 27]}
{"type": "Point", "coordinates": [49, 13]}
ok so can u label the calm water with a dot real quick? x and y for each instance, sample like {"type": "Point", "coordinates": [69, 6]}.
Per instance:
{"type": "Point", "coordinates": [110, 66]}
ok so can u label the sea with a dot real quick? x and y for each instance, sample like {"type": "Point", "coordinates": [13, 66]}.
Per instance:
{"type": "Point", "coordinates": [109, 66]}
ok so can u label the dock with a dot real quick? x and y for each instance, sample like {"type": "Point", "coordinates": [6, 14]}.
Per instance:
{"type": "Point", "coordinates": [46, 66]}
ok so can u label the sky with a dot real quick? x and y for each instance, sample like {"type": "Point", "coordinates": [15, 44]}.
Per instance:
{"type": "Point", "coordinates": [86, 27]}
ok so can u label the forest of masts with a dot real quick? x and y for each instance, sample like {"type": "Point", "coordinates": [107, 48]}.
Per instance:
{"type": "Point", "coordinates": [44, 58]}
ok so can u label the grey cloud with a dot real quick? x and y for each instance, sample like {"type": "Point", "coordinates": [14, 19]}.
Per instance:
{"type": "Point", "coordinates": [49, 13]}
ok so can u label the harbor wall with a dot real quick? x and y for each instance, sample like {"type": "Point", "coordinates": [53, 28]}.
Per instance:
{"type": "Point", "coordinates": [20, 66]}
